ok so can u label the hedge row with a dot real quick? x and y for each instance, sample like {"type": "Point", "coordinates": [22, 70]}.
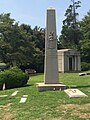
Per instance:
{"type": "Point", "coordinates": [13, 78]}
{"type": "Point", "coordinates": [85, 66]}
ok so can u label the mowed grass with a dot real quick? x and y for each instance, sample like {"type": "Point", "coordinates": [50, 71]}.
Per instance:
{"type": "Point", "coordinates": [49, 105]}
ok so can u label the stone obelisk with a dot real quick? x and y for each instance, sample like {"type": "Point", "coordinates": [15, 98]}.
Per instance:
{"type": "Point", "coordinates": [51, 77]}
{"type": "Point", "coordinates": [51, 60]}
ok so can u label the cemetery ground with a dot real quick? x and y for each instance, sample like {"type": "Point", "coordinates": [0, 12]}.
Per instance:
{"type": "Point", "coordinates": [48, 105]}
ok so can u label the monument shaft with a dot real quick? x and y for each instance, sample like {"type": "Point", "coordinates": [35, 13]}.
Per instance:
{"type": "Point", "coordinates": [51, 60]}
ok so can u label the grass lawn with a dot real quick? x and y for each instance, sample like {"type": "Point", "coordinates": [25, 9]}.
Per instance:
{"type": "Point", "coordinates": [49, 105]}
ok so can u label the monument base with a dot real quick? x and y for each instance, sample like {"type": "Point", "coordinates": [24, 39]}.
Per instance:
{"type": "Point", "coordinates": [45, 87]}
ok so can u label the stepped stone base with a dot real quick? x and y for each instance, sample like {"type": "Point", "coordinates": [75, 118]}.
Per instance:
{"type": "Point", "coordinates": [45, 87]}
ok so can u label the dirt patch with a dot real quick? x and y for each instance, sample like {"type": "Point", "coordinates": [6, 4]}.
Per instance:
{"type": "Point", "coordinates": [85, 106]}
{"type": "Point", "coordinates": [60, 118]}
{"type": "Point", "coordinates": [76, 106]}
{"type": "Point", "coordinates": [71, 106]}
{"type": "Point", "coordinates": [82, 115]}
{"type": "Point", "coordinates": [5, 107]}
{"type": "Point", "coordinates": [7, 116]}
{"type": "Point", "coordinates": [76, 110]}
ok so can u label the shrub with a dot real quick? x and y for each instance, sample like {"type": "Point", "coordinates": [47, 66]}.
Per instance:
{"type": "Point", "coordinates": [85, 66]}
{"type": "Point", "coordinates": [13, 78]}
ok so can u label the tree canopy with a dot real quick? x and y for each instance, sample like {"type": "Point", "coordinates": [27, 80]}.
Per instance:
{"type": "Point", "coordinates": [85, 42]}
{"type": "Point", "coordinates": [20, 44]}
{"type": "Point", "coordinates": [71, 34]}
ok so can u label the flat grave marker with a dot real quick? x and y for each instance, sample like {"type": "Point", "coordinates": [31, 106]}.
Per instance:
{"type": "Point", "coordinates": [72, 93]}
{"type": "Point", "coordinates": [14, 94]}
{"type": "Point", "coordinates": [3, 96]}
{"type": "Point", "coordinates": [23, 99]}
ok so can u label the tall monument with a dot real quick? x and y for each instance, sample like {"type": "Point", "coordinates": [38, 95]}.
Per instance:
{"type": "Point", "coordinates": [51, 60]}
{"type": "Point", "coordinates": [51, 77]}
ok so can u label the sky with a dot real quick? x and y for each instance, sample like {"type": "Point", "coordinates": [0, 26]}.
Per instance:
{"type": "Point", "coordinates": [33, 12]}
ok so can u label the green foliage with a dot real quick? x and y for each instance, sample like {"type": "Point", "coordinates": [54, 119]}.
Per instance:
{"type": "Point", "coordinates": [71, 34]}
{"type": "Point", "coordinates": [85, 26]}
{"type": "Point", "coordinates": [16, 47]}
{"type": "Point", "coordinates": [85, 66]}
{"type": "Point", "coordinates": [19, 44]}
{"type": "Point", "coordinates": [84, 45]}
{"type": "Point", "coordinates": [39, 40]}
{"type": "Point", "coordinates": [85, 50]}
{"type": "Point", "coordinates": [13, 78]}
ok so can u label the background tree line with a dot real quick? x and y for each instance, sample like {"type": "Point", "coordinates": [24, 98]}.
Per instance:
{"type": "Point", "coordinates": [22, 46]}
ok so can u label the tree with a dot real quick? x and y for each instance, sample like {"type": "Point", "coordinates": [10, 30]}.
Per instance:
{"type": "Point", "coordinates": [20, 45]}
{"type": "Point", "coordinates": [71, 34]}
{"type": "Point", "coordinates": [16, 46]}
{"type": "Point", "coordinates": [85, 42]}
{"type": "Point", "coordinates": [37, 36]}
{"type": "Point", "coordinates": [6, 25]}
{"type": "Point", "coordinates": [39, 39]}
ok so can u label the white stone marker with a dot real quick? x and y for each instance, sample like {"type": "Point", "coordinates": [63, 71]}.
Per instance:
{"type": "Point", "coordinates": [3, 96]}
{"type": "Point", "coordinates": [82, 74]}
{"type": "Point", "coordinates": [51, 60]}
{"type": "Point", "coordinates": [14, 94]}
{"type": "Point", "coordinates": [23, 99]}
{"type": "Point", "coordinates": [74, 93]}
{"type": "Point", "coordinates": [4, 87]}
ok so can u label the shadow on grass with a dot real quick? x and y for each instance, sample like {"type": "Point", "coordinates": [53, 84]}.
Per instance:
{"type": "Point", "coordinates": [35, 74]}
{"type": "Point", "coordinates": [27, 85]}
{"type": "Point", "coordinates": [86, 86]}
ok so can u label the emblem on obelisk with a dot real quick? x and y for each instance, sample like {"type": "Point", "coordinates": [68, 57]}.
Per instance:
{"type": "Point", "coordinates": [51, 41]}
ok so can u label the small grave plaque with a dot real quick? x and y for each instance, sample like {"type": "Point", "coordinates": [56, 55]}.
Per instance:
{"type": "Point", "coordinates": [14, 94]}
{"type": "Point", "coordinates": [3, 96]}
{"type": "Point", "coordinates": [74, 93]}
{"type": "Point", "coordinates": [23, 98]}
{"type": "Point", "coordinates": [82, 74]}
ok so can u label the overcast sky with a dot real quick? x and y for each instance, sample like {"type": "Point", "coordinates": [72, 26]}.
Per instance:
{"type": "Point", "coordinates": [33, 12]}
